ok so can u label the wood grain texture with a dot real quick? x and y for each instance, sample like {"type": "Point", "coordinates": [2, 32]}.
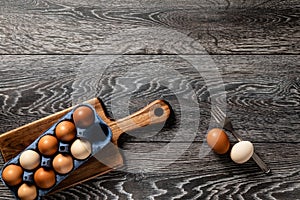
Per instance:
{"type": "Point", "coordinates": [262, 98]}
{"type": "Point", "coordinates": [101, 27]}
{"type": "Point", "coordinates": [262, 91]}
{"type": "Point", "coordinates": [193, 177]}
{"type": "Point", "coordinates": [166, 38]}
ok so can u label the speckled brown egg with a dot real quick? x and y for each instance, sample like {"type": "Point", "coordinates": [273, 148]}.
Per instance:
{"type": "Point", "coordinates": [218, 140]}
{"type": "Point", "coordinates": [48, 145]}
{"type": "Point", "coordinates": [83, 116]}
{"type": "Point", "coordinates": [12, 174]}
{"type": "Point", "coordinates": [27, 192]}
{"type": "Point", "coordinates": [65, 131]}
{"type": "Point", "coordinates": [44, 178]}
{"type": "Point", "coordinates": [63, 163]}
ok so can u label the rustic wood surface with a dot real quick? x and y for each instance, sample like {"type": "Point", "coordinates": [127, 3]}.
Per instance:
{"type": "Point", "coordinates": [57, 53]}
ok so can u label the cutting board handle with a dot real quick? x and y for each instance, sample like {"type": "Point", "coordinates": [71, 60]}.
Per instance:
{"type": "Point", "coordinates": [156, 112]}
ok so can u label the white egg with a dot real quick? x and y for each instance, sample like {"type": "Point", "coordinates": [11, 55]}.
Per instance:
{"type": "Point", "coordinates": [29, 159]}
{"type": "Point", "coordinates": [81, 149]}
{"type": "Point", "coordinates": [241, 152]}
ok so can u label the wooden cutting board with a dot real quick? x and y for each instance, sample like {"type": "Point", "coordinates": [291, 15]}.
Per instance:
{"type": "Point", "coordinates": [15, 141]}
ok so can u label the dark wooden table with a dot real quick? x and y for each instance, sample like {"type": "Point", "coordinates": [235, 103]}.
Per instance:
{"type": "Point", "coordinates": [243, 55]}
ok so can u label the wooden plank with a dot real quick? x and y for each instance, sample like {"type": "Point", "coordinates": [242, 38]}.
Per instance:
{"type": "Point", "coordinates": [214, 27]}
{"type": "Point", "coordinates": [150, 4]}
{"type": "Point", "coordinates": [190, 176]}
{"type": "Point", "coordinates": [262, 92]}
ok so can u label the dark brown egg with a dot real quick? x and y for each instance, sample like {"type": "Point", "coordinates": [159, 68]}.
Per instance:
{"type": "Point", "coordinates": [12, 174]}
{"type": "Point", "coordinates": [48, 145]}
{"type": "Point", "coordinates": [65, 131]}
{"type": "Point", "coordinates": [63, 164]}
{"type": "Point", "coordinates": [44, 178]}
{"type": "Point", "coordinates": [218, 140]}
{"type": "Point", "coordinates": [83, 116]}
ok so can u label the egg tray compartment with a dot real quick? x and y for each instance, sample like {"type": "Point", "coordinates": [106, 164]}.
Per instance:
{"type": "Point", "coordinates": [98, 134]}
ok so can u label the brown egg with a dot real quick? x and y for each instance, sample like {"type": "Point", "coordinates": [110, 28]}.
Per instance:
{"type": "Point", "coordinates": [44, 178]}
{"type": "Point", "coordinates": [65, 131]}
{"type": "Point", "coordinates": [83, 116]}
{"type": "Point", "coordinates": [12, 174]}
{"type": "Point", "coordinates": [63, 164]}
{"type": "Point", "coordinates": [27, 192]}
{"type": "Point", "coordinates": [48, 145]}
{"type": "Point", "coordinates": [218, 140]}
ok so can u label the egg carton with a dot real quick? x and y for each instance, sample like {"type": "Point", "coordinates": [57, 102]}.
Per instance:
{"type": "Point", "coordinates": [98, 134]}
